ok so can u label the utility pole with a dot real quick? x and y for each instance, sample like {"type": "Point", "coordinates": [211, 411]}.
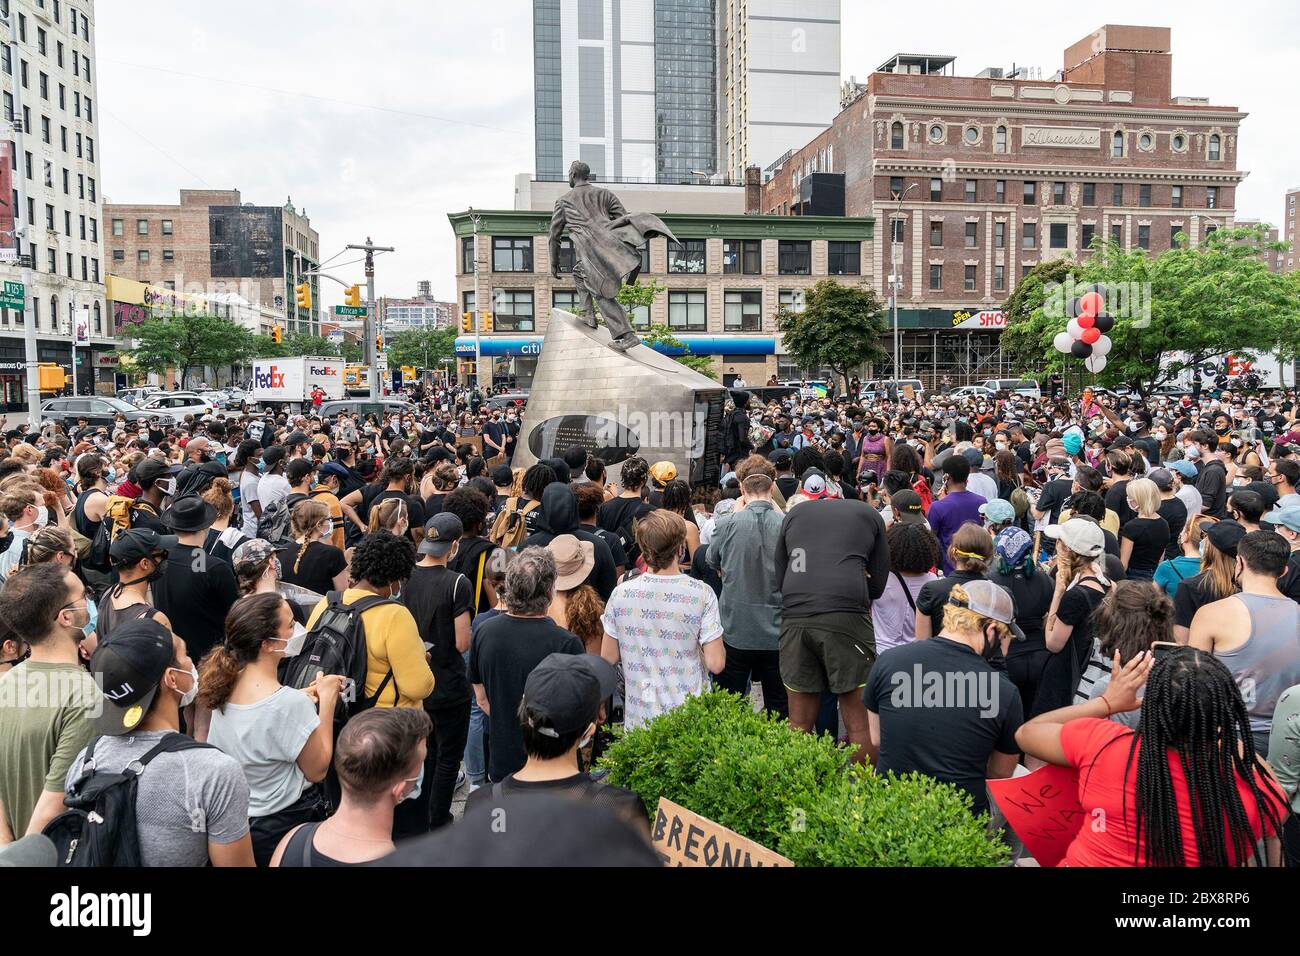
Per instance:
{"type": "Point", "coordinates": [372, 316]}
{"type": "Point", "coordinates": [895, 283]}
{"type": "Point", "coordinates": [25, 232]}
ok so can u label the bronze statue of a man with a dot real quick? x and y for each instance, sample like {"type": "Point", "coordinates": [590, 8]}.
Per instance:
{"type": "Point", "coordinates": [606, 250]}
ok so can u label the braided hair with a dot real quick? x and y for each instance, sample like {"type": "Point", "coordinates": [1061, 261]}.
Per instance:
{"type": "Point", "coordinates": [1194, 710]}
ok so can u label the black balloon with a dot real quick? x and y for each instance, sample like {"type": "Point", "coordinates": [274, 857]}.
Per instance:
{"type": "Point", "coordinates": [1080, 349]}
{"type": "Point", "coordinates": [1104, 323]}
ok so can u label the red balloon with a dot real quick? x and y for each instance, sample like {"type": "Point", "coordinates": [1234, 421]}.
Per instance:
{"type": "Point", "coordinates": [1090, 336]}
{"type": "Point", "coordinates": [1086, 321]}
{"type": "Point", "coordinates": [1091, 304]}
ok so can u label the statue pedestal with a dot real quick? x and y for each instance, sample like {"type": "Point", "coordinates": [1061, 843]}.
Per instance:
{"type": "Point", "coordinates": [619, 404]}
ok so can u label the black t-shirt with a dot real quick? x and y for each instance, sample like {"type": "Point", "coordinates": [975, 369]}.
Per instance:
{"type": "Point", "coordinates": [924, 728]}
{"type": "Point", "coordinates": [1289, 582]}
{"type": "Point", "coordinates": [414, 509]}
{"type": "Point", "coordinates": [313, 569]}
{"type": "Point", "coordinates": [1117, 501]}
{"type": "Point", "coordinates": [787, 485]}
{"type": "Point", "coordinates": [195, 592]}
{"type": "Point", "coordinates": [934, 595]}
{"type": "Point", "coordinates": [580, 786]}
{"type": "Point", "coordinates": [618, 515]}
{"type": "Point", "coordinates": [1192, 595]}
{"type": "Point", "coordinates": [436, 597]}
{"type": "Point", "coordinates": [1175, 514]}
{"type": "Point", "coordinates": [1053, 496]}
{"type": "Point", "coordinates": [469, 554]}
{"type": "Point", "coordinates": [1032, 597]}
{"type": "Point", "coordinates": [1064, 668]}
{"type": "Point", "coordinates": [433, 504]}
{"type": "Point", "coordinates": [1150, 537]}
{"type": "Point", "coordinates": [611, 539]}
{"type": "Point", "coordinates": [501, 656]}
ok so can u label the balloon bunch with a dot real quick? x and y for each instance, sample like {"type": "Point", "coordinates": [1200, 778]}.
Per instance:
{"type": "Point", "coordinates": [1085, 337]}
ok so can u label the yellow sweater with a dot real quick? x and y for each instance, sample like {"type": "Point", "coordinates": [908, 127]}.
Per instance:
{"type": "Point", "coordinates": [392, 642]}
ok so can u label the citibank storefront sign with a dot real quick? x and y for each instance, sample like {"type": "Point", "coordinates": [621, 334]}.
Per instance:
{"type": "Point", "coordinates": [530, 346]}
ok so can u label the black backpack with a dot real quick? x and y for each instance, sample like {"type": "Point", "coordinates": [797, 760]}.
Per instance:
{"type": "Point", "coordinates": [273, 526]}
{"type": "Point", "coordinates": [98, 828]}
{"type": "Point", "coordinates": [336, 644]}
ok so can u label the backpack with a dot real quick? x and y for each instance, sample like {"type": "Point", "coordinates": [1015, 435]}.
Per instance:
{"type": "Point", "coordinates": [510, 527]}
{"type": "Point", "coordinates": [119, 516]}
{"type": "Point", "coordinates": [336, 644]}
{"type": "Point", "coordinates": [1019, 501]}
{"type": "Point", "coordinates": [760, 434]}
{"type": "Point", "coordinates": [273, 526]}
{"type": "Point", "coordinates": [99, 827]}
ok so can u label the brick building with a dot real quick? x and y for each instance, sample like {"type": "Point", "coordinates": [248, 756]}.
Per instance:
{"type": "Point", "coordinates": [1286, 230]}
{"type": "Point", "coordinates": [998, 172]}
{"type": "Point", "coordinates": [212, 244]}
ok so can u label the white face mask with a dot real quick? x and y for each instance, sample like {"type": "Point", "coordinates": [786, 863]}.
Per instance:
{"type": "Point", "coordinates": [188, 696]}
{"type": "Point", "coordinates": [293, 646]}
{"type": "Point", "coordinates": [42, 517]}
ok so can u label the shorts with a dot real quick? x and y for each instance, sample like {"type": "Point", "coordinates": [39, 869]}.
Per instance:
{"type": "Point", "coordinates": [827, 652]}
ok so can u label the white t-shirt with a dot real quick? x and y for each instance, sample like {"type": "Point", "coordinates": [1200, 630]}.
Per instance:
{"type": "Point", "coordinates": [266, 739]}
{"type": "Point", "coordinates": [982, 484]}
{"type": "Point", "coordinates": [1189, 496]}
{"type": "Point", "coordinates": [248, 484]}
{"type": "Point", "coordinates": [660, 623]}
{"type": "Point", "coordinates": [272, 488]}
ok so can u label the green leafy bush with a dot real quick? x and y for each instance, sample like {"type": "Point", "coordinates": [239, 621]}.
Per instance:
{"type": "Point", "coordinates": [793, 792]}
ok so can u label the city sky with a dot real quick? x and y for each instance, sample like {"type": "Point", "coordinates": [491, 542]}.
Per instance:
{"type": "Point", "coordinates": [381, 118]}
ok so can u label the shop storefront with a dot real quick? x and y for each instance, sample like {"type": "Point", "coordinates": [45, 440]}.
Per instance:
{"type": "Point", "coordinates": [963, 345]}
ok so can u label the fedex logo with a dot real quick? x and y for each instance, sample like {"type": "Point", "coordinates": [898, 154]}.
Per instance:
{"type": "Point", "coordinates": [272, 377]}
{"type": "Point", "coordinates": [325, 372]}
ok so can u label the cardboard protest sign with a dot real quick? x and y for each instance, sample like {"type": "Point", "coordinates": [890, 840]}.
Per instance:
{"type": "Point", "coordinates": [683, 838]}
{"type": "Point", "coordinates": [1043, 809]}
{"type": "Point", "coordinates": [909, 393]}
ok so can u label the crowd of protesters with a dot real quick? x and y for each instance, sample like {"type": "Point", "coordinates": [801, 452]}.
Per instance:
{"type": "Point", "coordinates": [1105, 569]}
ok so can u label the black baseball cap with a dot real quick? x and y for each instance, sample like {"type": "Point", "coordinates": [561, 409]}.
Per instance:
{"type": "Point", "coordinates": [130, 664]}
{"type": "Point", "coordinates": [441, 532]}
{"type": "Point", "coordinates": [298, 469]}
{"type": "Point", "coordinates": [1226, 535]}
{"type": "Point", "coordinates": [502, 476]}
{"type": "Point", "coordinates": [296, 438]}
{"type": "Point", "coordinates": [135, 543]}
{"type": "Point", "coordinates": [563, 693]}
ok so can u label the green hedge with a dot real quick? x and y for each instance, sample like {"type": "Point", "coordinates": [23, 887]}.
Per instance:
{"type": "Point", "coordinates": [796, 793]}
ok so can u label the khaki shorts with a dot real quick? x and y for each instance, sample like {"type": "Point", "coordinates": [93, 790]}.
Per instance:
{"type": "Point", "coordinates": [827, 652]}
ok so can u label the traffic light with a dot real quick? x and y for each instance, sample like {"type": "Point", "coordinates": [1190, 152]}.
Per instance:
{"type": "Point", "coordinates": [467, 321]}
{"type": "Point", "coordinates": [353, 296]}
{"type": "Point", "coordinates": [487, 321]}
{"type": "Point", "coordinates": [379, 342]}
{"type": "Point", "coordinates": [303, 293]}
{"type": "Point", "coordinates": [277, 336]}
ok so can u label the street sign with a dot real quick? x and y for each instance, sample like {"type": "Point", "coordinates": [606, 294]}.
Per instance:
{"type": "Point", "coordinates": [350, 310]}
{"type": "Point", "coordinates": [13, 296]}
{"type": "Point", "coordinates": [446, 361]}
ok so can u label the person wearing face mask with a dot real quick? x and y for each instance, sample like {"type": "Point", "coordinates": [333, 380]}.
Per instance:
{"type": "Point", "coordinates": [313, 562]}
{"type": "Point", "coordinates": [1286, 522]}
{"type": "Point", "coordinates": [1212, 474]}
{"type": "Point", "coordinates": [967, 740]}
{"type": "Point", "coordinates": [23, 504]}
{"type": "Point", "coordinates": [49, 698]}
{"type": "Point", "coordinates": [191, 805]}
{"type": "Point", "coordinates": [138, 557]}
{"type": "Point", "coordinates": [92, 504]}
{"type": "Point", "coordinates": [274, 732]}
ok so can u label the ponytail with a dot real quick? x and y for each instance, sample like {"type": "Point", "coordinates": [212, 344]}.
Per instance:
{"type": "Point", "coordinates": [251, 621]}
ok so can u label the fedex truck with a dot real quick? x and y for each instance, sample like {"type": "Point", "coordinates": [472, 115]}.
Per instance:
{"type": "Point", "coordinates": [291, 381]}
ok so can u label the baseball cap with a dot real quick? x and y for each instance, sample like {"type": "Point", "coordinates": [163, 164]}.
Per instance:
{"type": "Point", "coordinates": [991, 600]}
{"type": "Point", "coordinates": [1289, 516]}
{"type": "Point", "coordinates": [252, 551]}
{"type": "Point", "coordinates": [150, 470]}
{"type": "Point", "coordinates": [129, 664]}
{"type": "Point", "coordinates": [562, 694]}
{"type": "Point", "coordinates": [296, 438]}
{"type": "Point", "coordinates": [1183, 467]}
{"type": "Point", "coordinates": [780, 456]}
{"type": "Point", "coordinates": [502, 476]}
{"type": "Point", "coordinates": [1080, 536]}
{"type": "Point", "coordinates": [663, 472]}
{"type": "Point", "coordinates": [998, 511]}
{"type": "Point", "coordinates": [814, 484]}
{"type": "Point", "coordinates": [135, 543]}
{"type": "Point", "coordinates": [1163, 477]}
{"type": "Point", "coordinates": [974, 456]}
{"type": "Point", "coordinates": [335, 469]}
{"type": "Point", "coordinates": [906, 505]}
{"type": "Point", "coordinates": [441, 532]}
{"type": "Point", "coordinates": [1226, 535]}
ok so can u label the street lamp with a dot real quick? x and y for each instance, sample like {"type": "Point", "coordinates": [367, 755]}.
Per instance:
{"type": "Point", "coordinates": [895, 281]}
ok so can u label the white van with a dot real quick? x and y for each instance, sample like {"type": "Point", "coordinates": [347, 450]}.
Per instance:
{"type": "Point", "coordinates": [1017, 386]}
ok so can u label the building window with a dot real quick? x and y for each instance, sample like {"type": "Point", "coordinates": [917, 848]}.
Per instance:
{"type": "Point", "coordinates": [1000, 140]}
{"type": "Point", "coordinates": [467, 255]}
{"type": "Point", "coordinates": [1178, 142]}
{"type": "Point", "coordinates": [1030, 194]}
{"type": "Point", "coordinates": [936, 233]}
{"type": "Point", "coordinates": [1029, 235]}
{"type": "Point", "coordinates": [896, 227]}
{"type": "Point", "coordinates": [743, 312]}
{"type": "Point", "coordinates": [936, 133]}
{"type": "Point", "coordinates": [564, 258]}
{"type": "Point", "coordinates": [1215, 151]}
{"type": "Point", "coordinates": [512, 254]}
{"type": "Point", "coordinates": [971, 190]}
{"type": "Point", "coordinates": [896, 135]}
{"type": "Point", "coordinates": [972, 234]}
{"type": "Point", "coordinates": [1210, 230]}
{"type": "Point", "coordinates": [1173, 236]}
{"type": "Point", "coordinates": [1058, 194]}
{"type": "Point", "coordinates": [687, 310]}
{"type": "Point", "coordinates": [1117, 144]}
{"type": "Point", "coordinates": [999, 278]}
{"type": "Point", "coordinates": [936, 276]}
{"type": "Point", "coordinates": [1176, 197]}
{"type": "Point", "coordinates": [968, 280]}
{"type": "Point", "coordinates": [895, 186]}
{"type": "Point", "coordinates": [1144, 195]}
{"type": "Point", "coordinates": [1117, 194]}
{"type": "Point", "coordinates": [1001, 190]}
{"type": "Point", "coordinates": [1086, 232]}
{"type": "Point", "coordinates": [794, 257]}
{"type": "Point", "coordinates": [686, 256]}
{"type": "Point", "coordinates": [1058, 235]}
{"type": "Point", "coordinates": [166, 227]}
{"type": "Point", "coordinates": [467, 302]}
{"type": "Point", "coordinates": [142, 227]}
{"type": "Point", "coordinates": [513, 310]}
{"type": "Point", "coordinates": [1117, 233]}
{"type": "Point", "coordinates": [1089, 194]}
{"type": "Point", "coordinates": [999, 235]}
{"type": "Point", "coordinates": [1145, 141]}
{"type": "Point", "coordinates": [972, 135]}
{"type": "Point", "coordinates": [566, 299]}
{"type": "Point", "coordinates": [1144, 237]}
{"type": "Point", "coordinates": [169, 255]}
{"type": "Point", "coordinates": [936, 190]}
{"type": "Point", "coordinates": [791, 299]}
{"type": "Point", "coordinates": [119, 255]}
{"type": "Point", "coordinates": [1211, 197]}
{"type": "Point", "coordinates": [742, 257]}
{"type": "Point", "coordinates": [143, 256]}
{"type": "Point", "coordinates": [645, 257]}
{"type": "Point", "coordinates": [844, 258]}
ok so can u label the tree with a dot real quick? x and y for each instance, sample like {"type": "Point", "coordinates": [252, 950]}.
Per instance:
{"type": "Point", "coordinates": [184, 344]}
{"type": "Point", "coordinates": [352, 352]}
{"type": "Point", "coordinates": [661, 337]}
{"type": "Point", "coordinates": [301, 343]}
{"type": "Point", "coordinates": [1174, 312]}
{"type": "Point", "coordinates": [840, 328]}
{"type": "Point", "coordinates": [422, 348]}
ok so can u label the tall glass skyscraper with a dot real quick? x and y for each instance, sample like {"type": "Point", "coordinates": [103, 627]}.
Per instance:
{"type": "Point", "coordinates": [686, 91]}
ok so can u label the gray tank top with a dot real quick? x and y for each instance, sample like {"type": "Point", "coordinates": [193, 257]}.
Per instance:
{"type": "Point", "coordinates": [1269, 662]}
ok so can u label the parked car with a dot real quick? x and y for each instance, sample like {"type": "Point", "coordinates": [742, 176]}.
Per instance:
{"type": "Point", "coordinates": [136, 396]}
{"type": "Point", "coordinates": [881, 387]}
{"type": "Point", "coordinates": [178, 404]}
{"type": "Point", "coordinates": [218, 398]}
{"type": "Point", "coordinates": [1017, 386]}
{"type": "Point", "coordinates": [98, 410]}
{"type": "Point", "coordinates": [972, 391]}
{"type": "Point", "coordinates": [352, 406]}
{"type": "Point", "coordinates": [509, 398]}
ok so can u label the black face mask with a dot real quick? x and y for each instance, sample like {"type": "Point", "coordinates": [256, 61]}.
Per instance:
{"type": "Point", "coordinates": [991, 646]}
{"type": "Point", "coordinates": [6, 541]}
{"type": "Point", "coordinates": [19, 659]}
